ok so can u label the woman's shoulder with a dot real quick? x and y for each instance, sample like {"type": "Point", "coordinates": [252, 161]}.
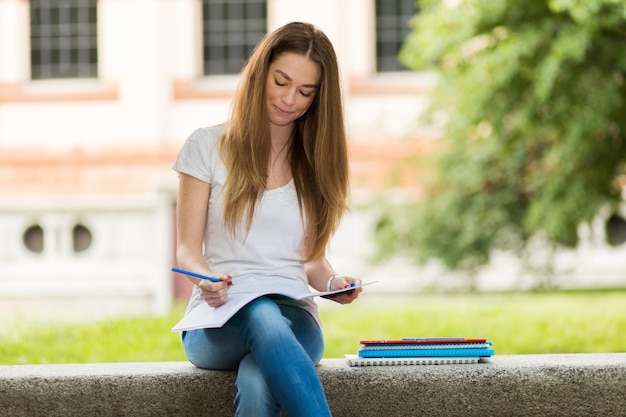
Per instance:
{"type": "Point", "coordinates": [208, 135]}
{"type": "Point", "coordinates": [199, 156]}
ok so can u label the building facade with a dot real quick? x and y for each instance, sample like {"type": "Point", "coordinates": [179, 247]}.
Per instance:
{"type": "Point", "coordinates": [96, 99]}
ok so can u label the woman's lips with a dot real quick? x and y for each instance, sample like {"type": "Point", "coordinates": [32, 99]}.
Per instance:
{"type": "Point", "coordinates": [281, 111]}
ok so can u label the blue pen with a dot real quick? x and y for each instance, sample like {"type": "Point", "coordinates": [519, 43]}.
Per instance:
{"type": "Point", "coordinates": [193, 274]}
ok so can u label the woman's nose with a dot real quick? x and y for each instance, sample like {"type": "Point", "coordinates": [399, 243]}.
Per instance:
{"type": "Point", "coordinates": [289, 97]}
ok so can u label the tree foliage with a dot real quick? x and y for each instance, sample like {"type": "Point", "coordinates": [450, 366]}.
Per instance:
{"type": "Point", "coordinates": [534, 103]}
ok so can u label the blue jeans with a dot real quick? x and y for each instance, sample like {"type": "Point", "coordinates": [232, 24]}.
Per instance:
{"type": "Point", "coordinates": [275, 349]}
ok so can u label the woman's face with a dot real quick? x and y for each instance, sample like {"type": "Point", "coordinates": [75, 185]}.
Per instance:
{"type": "Point", "coordinates": [291, 85]}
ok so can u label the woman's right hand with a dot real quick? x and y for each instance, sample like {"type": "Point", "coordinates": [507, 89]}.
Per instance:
{"type": "Point", "coordinates": [215, 293]}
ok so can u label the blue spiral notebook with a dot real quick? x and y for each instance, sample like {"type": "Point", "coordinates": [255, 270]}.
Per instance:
{"type": "Point", "coordinates": [426, 348]}
{"type": "Point", "coordinates": [415, 353]}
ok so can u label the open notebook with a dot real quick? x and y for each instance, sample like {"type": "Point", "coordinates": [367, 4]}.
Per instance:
{"type": "Point", "coordinates": [203, 316]}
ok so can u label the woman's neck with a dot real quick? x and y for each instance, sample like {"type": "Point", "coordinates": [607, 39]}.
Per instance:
{"type": "Point", "coordinates": [279, 170]}
{"type": "Point", "coordinates": [280, 135]}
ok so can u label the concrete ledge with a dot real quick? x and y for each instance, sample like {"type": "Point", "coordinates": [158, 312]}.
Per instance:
{"type": "Point", "coordinates": [525, 385]}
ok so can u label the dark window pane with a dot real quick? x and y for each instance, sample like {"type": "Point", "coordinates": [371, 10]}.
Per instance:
{"type": "Point", "coordinates": [231, 29]}
{"type": "Point", "coordinates": [392, 27]}
{"type": "Point", "coordinates": [63, 38]}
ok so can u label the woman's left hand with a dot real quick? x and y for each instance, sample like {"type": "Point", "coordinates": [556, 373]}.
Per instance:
{"type": "Point", "coordinates": [347, 297]}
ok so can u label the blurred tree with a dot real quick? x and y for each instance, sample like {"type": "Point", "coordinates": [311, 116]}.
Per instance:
{"type": "Point", "coordinates": [534, 101]}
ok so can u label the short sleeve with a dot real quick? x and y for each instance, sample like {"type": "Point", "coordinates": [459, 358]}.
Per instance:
{"type": "Point", "coordinates": [198, 156]}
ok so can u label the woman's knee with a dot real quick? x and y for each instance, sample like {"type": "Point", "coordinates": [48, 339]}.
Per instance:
{"type": "Point", "coordinates": [204, 352]}
{"type": "Point", "coordinates": [196, 350]}
{"type": "Point", "coordinates": [306, 330]}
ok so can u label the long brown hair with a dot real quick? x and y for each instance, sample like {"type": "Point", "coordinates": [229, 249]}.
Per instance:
{"type": "Point", "coordinates": [318, 157]}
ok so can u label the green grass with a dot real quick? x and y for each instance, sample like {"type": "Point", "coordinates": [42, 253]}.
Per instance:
{"type": "Point", "coordinates": [122, 340]}
{"type": "Point", "coordinates": [517, 323]}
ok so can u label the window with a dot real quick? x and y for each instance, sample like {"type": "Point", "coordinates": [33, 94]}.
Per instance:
{"type": "Point", "coordinates": [231, 29]}
{"type": "Point", "coordinates": [64, 40]}
{"type": "Point", "coordinates": [392, 27]}
{"type": "Point", "coordinates": [81, 238]}
{"type": "Point", "coordinates": [33, 238]}
{"type": "Point", "coordinates": [615, 230]}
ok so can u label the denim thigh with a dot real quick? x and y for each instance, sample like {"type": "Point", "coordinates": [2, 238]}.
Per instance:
{"type": "Point", "coordinates": [223, 348]}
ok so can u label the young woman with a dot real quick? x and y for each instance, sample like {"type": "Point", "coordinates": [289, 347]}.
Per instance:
{"type": "Point", "coordinates": [259, 198]}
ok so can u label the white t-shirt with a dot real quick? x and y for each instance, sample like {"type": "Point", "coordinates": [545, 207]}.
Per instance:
{"type": "Point", "coordinates": [269, 256]}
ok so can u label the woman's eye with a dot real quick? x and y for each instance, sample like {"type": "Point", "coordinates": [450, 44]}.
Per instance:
{"type": "Point", "coordinates": [279, 83]}
{"type": "Point", "coordinates": [305, 94]}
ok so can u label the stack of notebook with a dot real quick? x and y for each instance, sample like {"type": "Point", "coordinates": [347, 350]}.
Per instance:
{"type": "Point", "coordinates": [421, 351]}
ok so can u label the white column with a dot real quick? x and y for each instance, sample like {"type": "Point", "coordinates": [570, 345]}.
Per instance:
{"type": "Point", "coordinates": [144, 54]}
{"type": "Point", "coordinates": [14, 41]}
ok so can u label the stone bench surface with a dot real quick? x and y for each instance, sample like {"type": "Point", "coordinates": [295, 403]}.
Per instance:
{"type": "Point", "coordinates": [520, 385]}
